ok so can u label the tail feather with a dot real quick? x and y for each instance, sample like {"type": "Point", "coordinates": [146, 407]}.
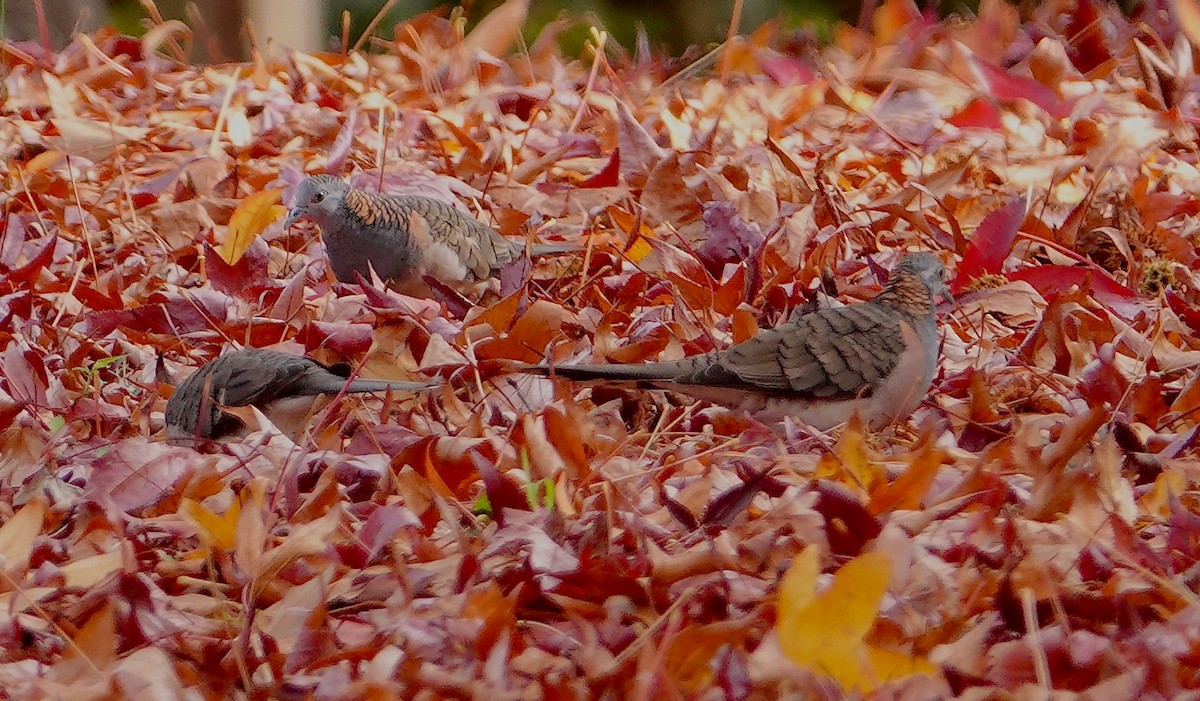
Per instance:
{"type": "Point", "coordinates": [553, 249]}
{"type": "Point", "coordinates": [617, 372]}
{"type": "Point", "coordinates": [335, 384]}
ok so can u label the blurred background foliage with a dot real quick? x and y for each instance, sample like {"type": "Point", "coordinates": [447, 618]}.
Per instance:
{"type": "Point", "coordinates": [315, 25]}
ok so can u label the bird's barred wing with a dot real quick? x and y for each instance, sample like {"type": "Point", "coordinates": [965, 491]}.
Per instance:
{"type": "Point", "coordinates": [829, 354]}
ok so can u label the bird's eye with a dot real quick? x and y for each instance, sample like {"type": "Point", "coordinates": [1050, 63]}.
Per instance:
{"type": "Point", "coordinates": [318, 197]}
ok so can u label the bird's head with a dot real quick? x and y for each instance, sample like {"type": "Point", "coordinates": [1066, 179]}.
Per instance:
{"type": "Point", "coordinates": [928, 268]}
{"type": "Point", "coordinates": [319, 198]}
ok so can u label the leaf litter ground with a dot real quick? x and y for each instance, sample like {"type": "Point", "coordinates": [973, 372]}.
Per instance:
{"type": "Point", "coordinates": [1031, 531]}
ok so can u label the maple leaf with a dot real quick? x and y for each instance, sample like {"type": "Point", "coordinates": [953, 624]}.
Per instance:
{"type": "Point", "coordinates": [826, 631]}
{"type": "Point", "coordinates": [249, 220]}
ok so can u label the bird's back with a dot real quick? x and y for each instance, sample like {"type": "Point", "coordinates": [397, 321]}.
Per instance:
{"type": "Point", "coordinates": [408, 236]}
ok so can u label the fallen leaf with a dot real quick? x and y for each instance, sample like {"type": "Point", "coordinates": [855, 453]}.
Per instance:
{"type": "Point", "coordinates": [826, 631]}
{"type": "Point", "coordinates": [251, 217]}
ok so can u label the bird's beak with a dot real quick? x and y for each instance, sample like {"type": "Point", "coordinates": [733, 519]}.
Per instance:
{"type": "Point", "coordinates": [293, 216]}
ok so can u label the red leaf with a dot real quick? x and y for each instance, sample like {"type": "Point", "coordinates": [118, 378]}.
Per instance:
{"type": "Point", "coordinates": [382, 525]}
{"type": "Point", "coordinates": [729, 238]}
{"type": "Point", "coordinates": [609, 175]}
{"type": "Point", "coordinates": [991, 243]}
{"type": "Point", "coordinates": [26, 374]}
{"type": "Point", "coordinates": [1060, 279]}
{"type": "Point", "coordinates": [200, 310]}
{"type": "Point", "coordinates": [246, 277]}
{"type": "Point", "coordinates": [1005, 86]}
{"type": "Point", "coordinates": [347, 339]}
{"type": "Point", "coordinates": [135, 475]}
{"type": "Point", "coordinates": [979, 113]}
{"type": "Point", "coordinates": [1086, 47]}
{"type": "Point", "coordinates": [18, 277]}
{"type": "Point", "coordinates": [678, 511]}
{"type": "Point", "coordinates": [848, 524]}
{"type": "Point", "coordinates": [1187, 312]}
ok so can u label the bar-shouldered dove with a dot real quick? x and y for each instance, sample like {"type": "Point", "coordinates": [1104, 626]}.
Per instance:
{"type": "Point", "coordinates": [403, 237]}
{"type": "Point", "coordinates": [876, 357]}
{"type": "Point", "coordinates": [283, 386]}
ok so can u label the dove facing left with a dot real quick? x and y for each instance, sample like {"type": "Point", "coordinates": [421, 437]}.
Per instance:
{"type": "Point", "coordinates": [283, 386]}
{"type": "Point", "coordinates": [404, 238]}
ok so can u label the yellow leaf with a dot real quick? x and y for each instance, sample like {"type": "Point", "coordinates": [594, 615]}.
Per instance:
{"type": "Point", "coordinates": [216, 532]}
{"type": "Point", "coordinates": [886, 665]}
{"type": "Point", "coordinates": [854, 465]}
{"type": "Point", "coordinates": [798, 587]}
{"type": "Point", "coordinates": [639, 250]}
{"type": "Point", "coordinates": [827, 631]}
{"type": "Point", "coordinates": [44, 161]}
{"type": "Point", "coordinates": [248, 221]}
{"type": "Point", "coordinates": [855, 100]}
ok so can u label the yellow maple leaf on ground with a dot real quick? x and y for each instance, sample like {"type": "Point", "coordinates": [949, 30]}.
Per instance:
{"type": "Point", "coordinates": [827, 631]}
{"type": "Point", "coordinates": [248, 221]}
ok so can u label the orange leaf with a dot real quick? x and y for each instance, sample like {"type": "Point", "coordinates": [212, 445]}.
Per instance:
{"type": "Point", "coordinates": [252, 527]}
{"type": "Point", "coordinates": [890, 18]}
{"type": "Point", "coordinates": [1188, 14]}
{"type": "Point", "coordinates": [495, 33]}
{"type": "Point", "coordinates": [744, 325]}
{"type": "Point", "coordinates": [530, 335]}
{"type": "Point", "coordinates": [217, 532]}
{"type": "Point", "coordinates": [96, 645]}
{"type": "Point", "coordinates": [1157, 501]}
{"type": "Point", "coordinates": [689, 654]}
{"type": "Point", "coordinates": [248, 221]}
{"type": "Point", "coordinates": [907, 491]}
{"type": "Point", "coordinates": [17, 536]}
{"type": "Point", "coordinates": [638, 247]}
{"type": "Point", "coordinates": [638, 250]}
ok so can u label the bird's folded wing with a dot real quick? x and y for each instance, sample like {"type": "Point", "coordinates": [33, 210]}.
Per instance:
{"type": "Point", "coordinates": [830, 354]}
{"type": "Point", "coordinates": [244, 379]}
{"type": "Point", "coordinates": [479, 248]}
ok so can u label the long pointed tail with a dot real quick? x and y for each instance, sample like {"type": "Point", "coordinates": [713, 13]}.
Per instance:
{"type": "Point", "coordinates": [335, 384]}
{"type": "Point", "coordinates": [618, 372]}
{"type": "Point", "coordinates": [361, 385]}
{"type": "Point", "coordinates": [538, 250]}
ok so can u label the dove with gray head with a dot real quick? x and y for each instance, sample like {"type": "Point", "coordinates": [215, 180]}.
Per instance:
{"type": "Point", "coordinates": [876, 358]}
{"type": "Point", "coordinates": [284, 387]}
{"type": "Point", "coordinates": [404, 238]}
